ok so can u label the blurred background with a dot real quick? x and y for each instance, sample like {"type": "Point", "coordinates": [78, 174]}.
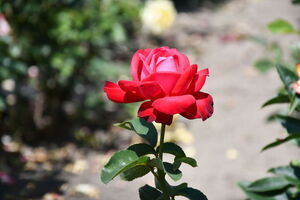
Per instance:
{"type": "Point", "coordinates": [56, 123]}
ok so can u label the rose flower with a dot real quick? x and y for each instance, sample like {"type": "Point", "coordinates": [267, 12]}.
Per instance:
{"type": "Point", "coordinates": [169, 85]}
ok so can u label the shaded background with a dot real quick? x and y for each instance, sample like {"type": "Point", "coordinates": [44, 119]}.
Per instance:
{"type": "Point", "coordinates": [56, 123]}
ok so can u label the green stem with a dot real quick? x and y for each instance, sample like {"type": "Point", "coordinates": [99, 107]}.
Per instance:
{"type": "Point", "coordinates": [161, 174]}
{"type": "Point", "coordinates": [161, 142]}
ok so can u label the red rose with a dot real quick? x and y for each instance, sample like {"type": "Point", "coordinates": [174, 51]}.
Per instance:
{"type": "Point", "coordinates": [165, 78]}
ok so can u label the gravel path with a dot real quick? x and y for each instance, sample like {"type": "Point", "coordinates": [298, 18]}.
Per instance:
{"type": "Point", "coordinates": [228, 144]}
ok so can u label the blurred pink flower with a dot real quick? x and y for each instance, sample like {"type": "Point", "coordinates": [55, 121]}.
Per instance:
{"type": "Point", "coordinates": [4, 26]}
{"type": "Point", "coordinates": [6, 179]}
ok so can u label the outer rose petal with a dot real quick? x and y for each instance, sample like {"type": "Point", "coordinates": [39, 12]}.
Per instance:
{"type": "Point", "coordinates": [147, 112]}
{"type": "Point", "coordinates": [184, 81]}
{"type": "Point", "coordinates": [128, 86]}
{"type": "Point", "coordinates": [151, 90]}
{"type": "Point", "coordinates": [174, 104]}
{"type": "Point", "coordinates": [116, 94]}
{"type": "Point", "coordinates": [166, 80]}
{"type": "Point", "coordinates": [198, 81]}
{"type": "Point", "coordinates": [203, 108]}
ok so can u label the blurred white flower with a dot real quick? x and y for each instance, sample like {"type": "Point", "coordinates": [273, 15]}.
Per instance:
{"type": "Point", "coordinates": [8, 85]}
{"type": "Point", "coordinates": [158, 15]}
{"type": "Point", "coordinates": [4, 26]}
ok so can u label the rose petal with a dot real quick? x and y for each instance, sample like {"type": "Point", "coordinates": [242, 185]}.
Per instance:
{"type": "Point", "coordinates": [166, 80]}
{"type": "Point", "coordinates": [182, 60]}
{"type": "Point", "coordinates": [198, 81]}
{"type": "Point", "coordinates": [203, 108]}
{"type": "Point", "coordinates": [166, 64]}
{"type": "Point", "coordinates": [116, 94]}
{"type": "Point", "coordinates": [174, 104]}
{"type": "Point", "coordinates": [136, 63]}
{"type": "Point", "coordinates": [128, 86]}
{"type": "Point", "coordinates": [151, 90]}
{"type": "Point", "coordinates": [184, 81]}
{"type": "Point", "coordinates": [147, 112]}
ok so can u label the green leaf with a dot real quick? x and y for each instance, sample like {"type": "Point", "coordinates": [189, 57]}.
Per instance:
{"type": "Point", "coordinates": [268, 184]}
{"type": "Point", "coordinates": [173, 174]}
{"type": "Point", "coordinates": [149, 193]}
{"type": "Point", "coordinates": [291, 124]}
{"type": "Point", "coordinates": [261, 196]}
{"type": "Point", "coordinates": [191, 194]}
{"type": "Point", "coordinates": [156, 162]}
{"type": "Point", "coordinates": [173, 149]}
{"type": "Point", "coordinates": [281, 141]}
{"type": "Point", "coordinates": [142, 149]}
{"type": "Point", "coordinates": [278, 99]}
{"type": "Point", "coordinates": [287, 77]}
{"type": "Point", "coordinates": [281, 26]}
{"type": "Point", "coordinates": [174, 189]}
{"type": "Point", "coordinates": [263, 64]}
{"type": "Point", "coordinates": [120, 162]}
{"type": "Point", "coordinates": [143, 128]}
{"type": "Point", "coordinates": [294, 104]}
{"type": "Point", "coordinates": [296, 1]}
{"type": "Point", "coordinates": [190, 161]}
{"type": "Point", "coordinates": [291, 173]}
{"type": "Point", "coordinates": [135, 172]}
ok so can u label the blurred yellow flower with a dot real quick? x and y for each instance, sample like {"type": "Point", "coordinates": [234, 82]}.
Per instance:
{"type": "Point", "coordinates": [158, 15]}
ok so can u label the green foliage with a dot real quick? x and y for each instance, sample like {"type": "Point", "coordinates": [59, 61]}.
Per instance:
{"type": "Point", "coordinates": [135, 172]}
{"type": "Point", "coordinates": [149, 193]}
{"type": "Point", "coordinates": [142, 149]}
{"type": "Point", "coordinates": [120, 162]}
{"type": "Point", "coordinates": [295, 1]}
{"type": "Point", "coordinates": [281, 26]}
{"type": "Point", "coordinates": [174, 174]}
{"type": "Point", "coordinates": [264, 64]}
{"type": "Point", "coordinates": [285, 184]}
{"type": "Point", "coordinates": [140, 159]}
{"type": "Point", "coordinates": [191, 194]}
{"type": "Point", "coordinates": [59, 54]}
{"type": "Point", "coordinates": [281, 98]}
{"type": "Point", "coordinates": [143, 128]}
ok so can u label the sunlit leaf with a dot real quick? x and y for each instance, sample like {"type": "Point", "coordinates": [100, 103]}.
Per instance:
{"type": "Point", "coordinates": [120, 162]}
{"type": "Point", "coordinates": [262, 196]}
{"type": "Point", "coordinates": [281, 26]}
{"type": "Point", "coordinates": [287, 77]}
{"type": "Point", "coordinates": [276, 100]}
{"type": "Point", "coordinates": [268, 184]}
{"type": "Point", "coordinates": [143, 128]}
{"type": "Point", "coordinates": [281, 141]}
{"type": "Point", "coordinates": [135, 172]}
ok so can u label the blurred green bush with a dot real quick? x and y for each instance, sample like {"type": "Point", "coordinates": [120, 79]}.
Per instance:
{"type": "Point", "coordinates": [54, 63]}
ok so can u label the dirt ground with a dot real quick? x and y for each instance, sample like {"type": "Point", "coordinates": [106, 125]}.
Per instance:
{"type": "Point", "coordinates": [227, 146]}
